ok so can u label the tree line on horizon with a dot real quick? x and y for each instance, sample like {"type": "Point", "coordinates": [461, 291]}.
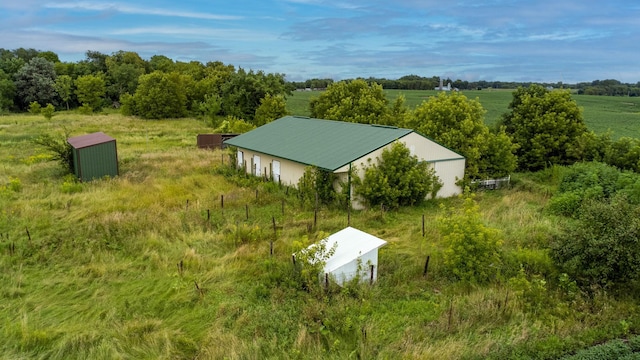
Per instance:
{"type": "Point", "coordinates": [99, 80]}
{"type": "Point", "coordinates": [608, 87]}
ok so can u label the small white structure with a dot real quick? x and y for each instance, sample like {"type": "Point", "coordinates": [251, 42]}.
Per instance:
{"type": "Point", "coordinates": [356, 253]}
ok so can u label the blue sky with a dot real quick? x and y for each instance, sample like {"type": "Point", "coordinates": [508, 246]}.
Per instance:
{"type": "Point", "coordinates": [504, 40]}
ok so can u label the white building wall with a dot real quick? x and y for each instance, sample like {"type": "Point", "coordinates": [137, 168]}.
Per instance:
{"type": "Point", "coordinates": [448, 165]}
{"type": "Point", "coordinates": [349, 270]}
{"type": "Point", "coordinates": [290, 171]}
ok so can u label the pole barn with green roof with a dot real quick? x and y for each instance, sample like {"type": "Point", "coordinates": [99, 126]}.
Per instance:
{"type": "Point", "coordinates": [282, 149]}
{"type": "Point", "coordinates": [94, 156]}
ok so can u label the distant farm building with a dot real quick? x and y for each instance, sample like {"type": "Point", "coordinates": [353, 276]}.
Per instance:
{"type": "Point", "coordinates": [213, 141]}
{"type": "Point", "coordinates": [94, 156]}
{"type": "Point", "coordinates": [282, 149]}
{"type": "Point", "coordinates": [355, 255]}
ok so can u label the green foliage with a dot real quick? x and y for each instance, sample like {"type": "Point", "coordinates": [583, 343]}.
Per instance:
{"type": "Point", "coordinates": [71, 185]}
{"type": "Point", "coordinates": [85, 109]}
{"type": "Point", "coordinates": [210, 108]}
{"type": "Point", "coordinates": [161, 95]}
{"type": "Point", "coordinates": [602, 247]}
{"type": "Point", "coordinates": [64, 88]}
{"type": "Point", "coordinates": [61, 149]}
{"type": "Point", "coordinates": [531, 293]}
{"type": "Point", "coordinates": [457, 122]}
{"type": "Point", "coordinates": [127, 104]}
{"type": "Point", "coordinates": [317, 181]}
{"type": "Point", "coordinates": [310, 262]}
{"type": "Point", "coordinates": [592, 181]}
{"type": "Point", "coordinates": [546, 126]}
{"type": "Point", "coordinates": [90, 90]}
{"type": "Point", "coordinates": [35, 81]}
{"type": "Point", "coordinates": [397, 179]}
{"type": "Point", "coordinates": [123, 69]}
{"type": "Point", "coordinates": [624, 154]}
{"type": "Point", "coordinates": [472, 253]}
{"type": "Point", "coordinates": [35, 108]}
{"type": "Point", "coordinates": [271, 107]}
{"type": "Point", "coordinates": [242, 92]}
{"type": "Point", "coordinates": [7, 91]}
{"type": "Point", "coordinates": [612, 350]}
{"type": "Point", "coordinates": [352, 101]}
{"type": "Point", "coordinates": [233, 125]}
{"type": "Point", "coordinates": [48, 111]}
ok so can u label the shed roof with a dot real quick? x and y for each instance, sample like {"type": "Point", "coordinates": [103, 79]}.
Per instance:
{"type": "Point", "coordinates": [83, 141]}
{"type": "Point", "coordinates": [351, 244]}
{"type": "Point", "coordinates": [326, 144]}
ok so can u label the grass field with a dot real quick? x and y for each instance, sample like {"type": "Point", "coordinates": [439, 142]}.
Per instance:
{"type": "Point", "coordinates": [621, 115]}
{"type": "Point", "coordinates": [153, 265]}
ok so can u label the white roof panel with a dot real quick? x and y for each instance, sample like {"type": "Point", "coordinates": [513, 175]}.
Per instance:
{"type": "Point", "coordinates": [352, 243]}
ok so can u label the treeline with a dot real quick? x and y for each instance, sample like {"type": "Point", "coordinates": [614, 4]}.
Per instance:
{"type": "Point", "coordinates": [155, 88]}
{"type": "Point", "coordinates": [415, 82]}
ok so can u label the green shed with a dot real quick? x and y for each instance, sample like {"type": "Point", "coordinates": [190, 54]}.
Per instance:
{"type": "Point", "coordinates": [94, 156]}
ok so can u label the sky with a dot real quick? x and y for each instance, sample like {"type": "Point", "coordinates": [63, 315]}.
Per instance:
{"type": "Point", "coordinates": [552, 41]}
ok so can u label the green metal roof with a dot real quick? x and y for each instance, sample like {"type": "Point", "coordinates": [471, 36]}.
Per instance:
{"type": "Point", "coordinates": [326, 144]}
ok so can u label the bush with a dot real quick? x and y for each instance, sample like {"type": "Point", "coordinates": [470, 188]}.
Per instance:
{"type": "Point", "coordinates": [398, 179]}
{"type": "Point", "coordinates": [35, 108]}
{"type": "Point", "coordinates": [602, 247]}
{"type": "Point", "coordinates": [48, 111]}
{"type": "Point", "coordinates": [317, 181]}
{"type": "Point", "coordinates": [61, 149]}
{"type": "Point", "coordinates": [473, 249]}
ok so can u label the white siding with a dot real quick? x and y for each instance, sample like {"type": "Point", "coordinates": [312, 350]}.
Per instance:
{"type": "Point", "coordinates": [448, 165]}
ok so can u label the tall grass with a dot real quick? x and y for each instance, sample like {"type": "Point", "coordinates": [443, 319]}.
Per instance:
{"type": "Point", "coordinates": [151, 264]}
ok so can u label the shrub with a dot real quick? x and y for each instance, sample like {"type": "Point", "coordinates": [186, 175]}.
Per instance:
{"type": "Point", "coordinates": [85, 109]}
{"type": "Point", "coordinates": [602, 247]}
{"type": "Point", "coordinates": [35, 108]}
{"type": "Point", "coordinates": [48, 111]}
{"type": "Point", "coordinates": [61, 149]}
{"type": "Point", "coordinates": [473, 249]}
{"type": "Point", "coordinates": [317, 181]}
{"type": "Point", "coordinates": [398, 179]}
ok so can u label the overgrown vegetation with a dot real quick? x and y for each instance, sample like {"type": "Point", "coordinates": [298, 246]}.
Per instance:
{"type": "Point", "coordinates": [173, 260]}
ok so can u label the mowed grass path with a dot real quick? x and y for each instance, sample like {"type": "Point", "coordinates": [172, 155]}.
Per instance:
{"type": "Point", "coordinates": [620, 115]}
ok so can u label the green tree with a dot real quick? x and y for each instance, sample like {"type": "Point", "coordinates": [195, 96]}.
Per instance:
{"type": "Point", "coordinates": [353, 101]}
{"type": "Point", "coordinates": [472, 252]}
{"type": "Point", "coordinates": [123, 70]}
{"type": "Point", "coordinates": [458, 123]}
{"type": "Point", "coordinates": [397, 179]}
{"type": "Point", "coordinates": [35, 81]}
{"type": "Point", "coordinates": [210, 109]}
{"type": "Point", "coordinates": [546, 126]}
{"type": "Point", "coordinates": [602, 247]}
{"type": "Point", "coordinates": [271, 108]}
{"type": "Point", "coordinates": [161, 95]}
{"type": "Point", "coordinates": [242, 92]}
{"type": "Point", "coordinates": [7, 91]}
{"type": "Point", "coordinates": [90, 90]}
{"type": "Point", "coordinates": [64, 87]}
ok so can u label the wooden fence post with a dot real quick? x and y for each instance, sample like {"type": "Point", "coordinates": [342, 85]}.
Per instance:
{"type": "Point", "coordinates": [426, 266]}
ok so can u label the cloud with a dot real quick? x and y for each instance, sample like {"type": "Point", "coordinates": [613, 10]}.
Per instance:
{"type": "Point", "coordinates": [133, 10]}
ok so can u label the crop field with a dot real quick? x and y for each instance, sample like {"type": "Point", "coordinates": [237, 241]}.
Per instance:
{"type": "Point", "coordinates": [620, 115]}
{"type": "Point", "coordinates": [180, 258]}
